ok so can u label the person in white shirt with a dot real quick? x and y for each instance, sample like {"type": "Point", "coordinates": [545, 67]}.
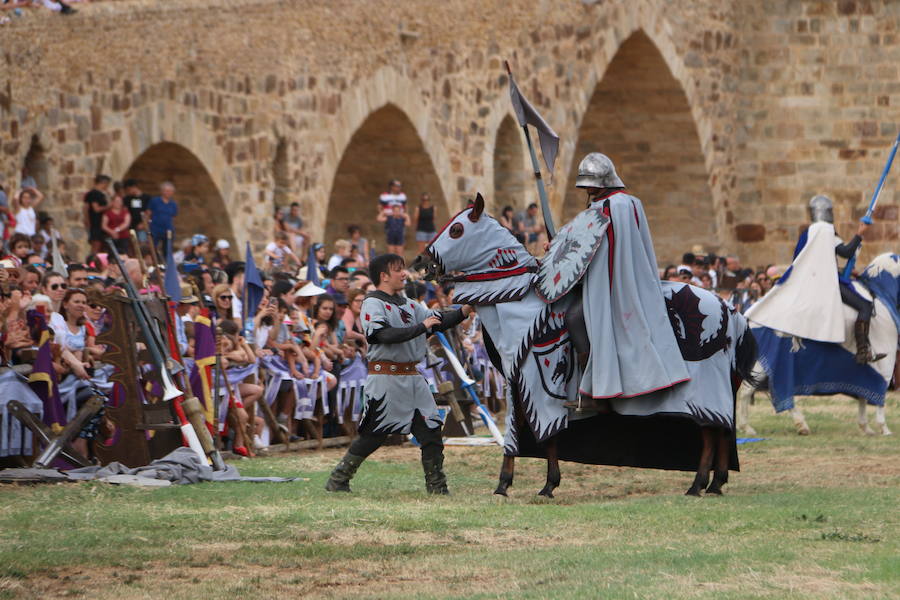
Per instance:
{"type": "Point", "coordinates": [26, 219]}
{"type": "Point", "coordinates": [342, 250]}
{"type": "Point", "coordinates": [393, 196]}
{"type": "Point", "coordinates": [279, 253]}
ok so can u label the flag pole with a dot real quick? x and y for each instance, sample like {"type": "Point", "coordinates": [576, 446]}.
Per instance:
{"type": "Point", "coordinates": [539, 180]}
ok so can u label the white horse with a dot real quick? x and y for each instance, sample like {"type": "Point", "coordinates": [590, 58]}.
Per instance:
{"type": "Point", "coordinates": [688, 427]}
{"type": "Point", "coordinates": [837, 373]}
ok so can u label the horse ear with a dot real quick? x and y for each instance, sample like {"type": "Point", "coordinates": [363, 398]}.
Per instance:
{"type": "Point", "coordinates": [477, 209]}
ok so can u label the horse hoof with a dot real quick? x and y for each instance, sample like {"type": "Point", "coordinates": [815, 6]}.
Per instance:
{"type": "Point", "coordinates": [802, 428]}
{"type": "Point", "coordinates": [864, 427]}
{"type": "Point", "coordinates": [546, 493]}
{"type": "Point", "coordinates": [714, 490]}
{"type": "Point", "coordinates": [501, 492]}
{"type": "Point", "coordinates": [885, 430]}
{"type": "Point", "coordinates": [693, 492]}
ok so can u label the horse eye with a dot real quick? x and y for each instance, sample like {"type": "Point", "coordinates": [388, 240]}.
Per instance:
{"type": "Point", "coordinates": [456, 230]}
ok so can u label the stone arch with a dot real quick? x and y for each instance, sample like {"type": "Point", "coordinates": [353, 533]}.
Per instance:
{"type": "Point", "coordinates": [387, 86]}
{"type": "Point", "coordinates": [510, 175]}
{"type": "Point", "coordinates": [640, 115]}
{"type": "Point", "coordinates": [386, 146]}
{"type": "Point", "coordinates": [37, 164]}
{"type": "Point", "coordinates": [183, 132]}
{"type": "Point", "coordinates": [200, 203]}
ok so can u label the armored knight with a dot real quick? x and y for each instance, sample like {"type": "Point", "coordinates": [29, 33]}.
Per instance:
{"type": "Point", "coordinates": [397, 397]}
{"type": "Point", "coordinates": [608, 252]}
{"type": "Point", "coordinates": [806, 302]}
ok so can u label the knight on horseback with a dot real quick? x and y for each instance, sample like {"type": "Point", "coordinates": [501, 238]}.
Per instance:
{"type": "Point", "coordinates": [807, 300]}
{"type": "Point", "coordinates": [606, 256]}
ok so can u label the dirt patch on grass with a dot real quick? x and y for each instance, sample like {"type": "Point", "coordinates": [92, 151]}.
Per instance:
{"type": "Point", "coordinates": [354, 578]}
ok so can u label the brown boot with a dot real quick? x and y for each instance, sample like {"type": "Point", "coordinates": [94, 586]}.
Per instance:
{"type": "Point", "coordinates": [864, 353]}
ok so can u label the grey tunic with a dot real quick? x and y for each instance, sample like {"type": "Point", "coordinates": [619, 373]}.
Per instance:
{"type": "Point", "coordinates": [391, 401]}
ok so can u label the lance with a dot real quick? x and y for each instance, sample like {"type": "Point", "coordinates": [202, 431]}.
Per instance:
{"type": "Point", "coordinates": [867, 218]}
{"type": "Point", "coordinates": [517, 100]}
{"type": "Point", "coordinates": [468, 384]}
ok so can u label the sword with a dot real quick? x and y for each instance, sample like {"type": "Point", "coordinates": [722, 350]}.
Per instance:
{"type": "Point", "coordinates": [867, 218]}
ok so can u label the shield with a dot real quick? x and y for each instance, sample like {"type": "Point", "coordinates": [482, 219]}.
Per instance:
{"type": "Point", "coordinates": [570, 254]}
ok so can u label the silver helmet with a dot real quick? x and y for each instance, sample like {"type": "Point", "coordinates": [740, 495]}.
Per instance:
{"type": "Point", "coordinates": [820, 209]}
{"type": "Point", "coordinates": [597, 171]}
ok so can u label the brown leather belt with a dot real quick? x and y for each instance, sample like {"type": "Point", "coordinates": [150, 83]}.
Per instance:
{"type": "Point", "coordinates": [388, 367]}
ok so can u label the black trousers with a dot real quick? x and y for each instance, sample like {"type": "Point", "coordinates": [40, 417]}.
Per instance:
{"type": "Point", "coordinates": [857, 302]}
{"type": "Point", "coordinates": [431, 440]}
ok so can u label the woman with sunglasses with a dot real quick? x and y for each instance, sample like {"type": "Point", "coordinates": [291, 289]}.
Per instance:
{"type": "Point", "coordinates": [222, 297]}
{"type": "Point", "coordinates": [55, 286]}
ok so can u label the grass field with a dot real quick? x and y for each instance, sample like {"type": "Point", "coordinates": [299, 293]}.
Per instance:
{"type": "Point", "coordinates": [808, 517]}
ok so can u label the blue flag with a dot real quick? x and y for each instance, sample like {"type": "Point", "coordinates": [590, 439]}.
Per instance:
{"type": "Point", "coordinates": [253, 287]}
{"type": "Point", "coordinates": [172, 281]}
{"type": "Point", "coordinates": [312, 267]}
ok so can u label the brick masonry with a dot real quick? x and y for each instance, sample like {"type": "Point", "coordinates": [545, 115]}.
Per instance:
{"type": "Point", "coordinates": [723, 116]}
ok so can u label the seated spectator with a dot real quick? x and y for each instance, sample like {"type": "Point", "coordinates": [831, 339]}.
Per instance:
{"type": "Point", "coordinates": [221, 254]}
{"type": "Point", "coordinates": [361, 251]}
{"type": "Point", "coordinates": [199, 249]}
{"type": "Point", "coordinates": [279, 254]}
{"type": "Point", "coordinates": [292, 224]}
{"type": "Point", "coordinates": [78, 275]}
{"type": "Point", "coordinates": [339, 282]}
{"type": "Point", "coordinates": [19, 248]}
{"type": "Point", "coordinates": [341, 251]}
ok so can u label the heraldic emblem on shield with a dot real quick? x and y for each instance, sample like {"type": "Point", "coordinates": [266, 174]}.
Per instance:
{"type": "Point", "coordinates": [570, 254]}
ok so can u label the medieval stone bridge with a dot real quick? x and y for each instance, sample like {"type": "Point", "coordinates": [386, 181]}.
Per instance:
{"type": "Point", "coordinates": [723, 116]}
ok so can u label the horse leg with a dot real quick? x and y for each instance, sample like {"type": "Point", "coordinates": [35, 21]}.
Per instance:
{"type": "Point", "coordinates": [706, 458]}
{"type": "Point", "coordinates": [799, 421]}
{"type": "Point", "coordinates": [720, 475]}
{"type": "Point", "coordinates": [744, 397]}
{"type": "Point", "coordinates": [862, 418]}
{"type": "Point", "coordinates": [506, 475]}
{"type": "Point", "coordinates": [553, 474]}
{"type": "Point", "coordinates": [880, 420]}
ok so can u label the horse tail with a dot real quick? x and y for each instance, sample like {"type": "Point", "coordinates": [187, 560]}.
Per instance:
{"type": "Point", "coordinates": [745, 354]}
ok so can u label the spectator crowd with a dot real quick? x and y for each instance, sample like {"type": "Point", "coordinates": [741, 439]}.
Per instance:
{"type": "Point", "coordinates": [300, 348]}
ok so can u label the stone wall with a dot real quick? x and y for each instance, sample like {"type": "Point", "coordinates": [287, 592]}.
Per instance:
{"type": "Point", "coordinates": [724, 116]}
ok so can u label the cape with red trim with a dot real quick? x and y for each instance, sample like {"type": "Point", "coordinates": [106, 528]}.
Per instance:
{"type": "Point", "coordinates": [608, 248]}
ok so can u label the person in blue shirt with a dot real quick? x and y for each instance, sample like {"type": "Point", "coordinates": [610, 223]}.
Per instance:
{"type": "Point", "coordinates": [161, 212]}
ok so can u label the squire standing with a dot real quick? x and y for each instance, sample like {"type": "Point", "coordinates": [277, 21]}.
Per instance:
{"type": "Point", "coordinates": [397, 397]}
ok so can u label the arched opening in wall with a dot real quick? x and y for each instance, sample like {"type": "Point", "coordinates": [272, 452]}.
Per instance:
{"type": "Point", "coordinates": [281, 175]}
{"type": "Point", "coordinates": [201, 208]}
{"type": "Point", "coordinates": [36, 166]}
{"type": "Point", "coordinates": [639, 116]}
{"type": "Point", "coordinates": [509, 173]}
{"type": "Point", "coordinates": [385, 147]}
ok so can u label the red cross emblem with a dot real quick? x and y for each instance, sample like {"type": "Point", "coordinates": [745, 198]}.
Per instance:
{"type": "Point", "coordinates": [556, 278]}
{"type": "Point", "coordinates": [387, 306]}
{"type": "Point", "coordinates": [367, 317]}
{"type": "Point", "coordinates": [546, 362]}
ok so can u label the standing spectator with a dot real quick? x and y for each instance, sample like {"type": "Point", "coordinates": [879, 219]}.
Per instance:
{"type": "Point", "coordinates": [95, 203]}
{"type": "Point", "coordinates": [26, 218]}
{"type": "Point", "coordinates": [115, 222]}
{"type": "Point", "coordinates": [395, 229]}
{"type": "Point", "coordinates": [394, 196]}
{"type": "Point", "coordinates": [341, 251]}
{"type": "Point", "coordinates": [5, 214]}
{"type": "Point", "coordinates": [136, 202]}
{"type": "Point", "coordinates": [424, 219]}
{"type": "Point", "coordinates": [278, 253]}
{"type": "Point", "coordinates": [509, 221]}
{"type": "Point", "coordinates": [162, 211]}
{"type": "Point", "coordinates": [293, 226]}
{"type": "Point", "coordinates": [361, 243]}
{"type": "Point", "coordinates": [531, 226]}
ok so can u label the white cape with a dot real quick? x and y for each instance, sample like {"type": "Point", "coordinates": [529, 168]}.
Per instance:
{"type": "Point", "coordinates": [807, 305]}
